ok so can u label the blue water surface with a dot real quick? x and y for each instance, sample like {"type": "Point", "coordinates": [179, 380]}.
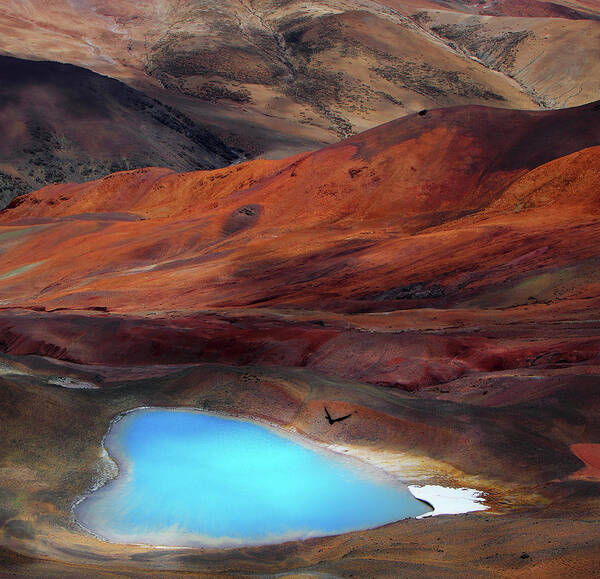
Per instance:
{"type": "Point", "coordinates": [194, 479]}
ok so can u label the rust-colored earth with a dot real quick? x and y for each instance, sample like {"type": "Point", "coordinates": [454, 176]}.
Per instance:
{"type": "Point", "coordinates": [590, 455]}
{"type": "Point", "coordinates": [438, 275]}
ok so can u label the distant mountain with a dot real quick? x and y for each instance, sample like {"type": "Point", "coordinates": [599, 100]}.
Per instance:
{"type": "Point", "coordinates": [64, 123]}
{"type": "Point", "coordinates": [523, 8]}
{"type": "Point", "coordinates": [279, 77]}
{"type": "Point", "coordinates": [549, 49]}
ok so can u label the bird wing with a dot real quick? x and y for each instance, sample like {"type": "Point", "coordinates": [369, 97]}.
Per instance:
{"type": "Point", "coordinates": [342, 417]}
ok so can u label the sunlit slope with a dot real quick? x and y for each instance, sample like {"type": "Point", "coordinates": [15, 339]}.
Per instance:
{"type": "Point", "coordinates": [277, 78]}
{"type": "Point", "coordinates": [458, 206]}
{"type": "Point", "coordinates": [556, 60]}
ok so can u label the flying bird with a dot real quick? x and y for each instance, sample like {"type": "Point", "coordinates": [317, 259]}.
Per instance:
{"type": "Point", "coordinates": [332, 420]}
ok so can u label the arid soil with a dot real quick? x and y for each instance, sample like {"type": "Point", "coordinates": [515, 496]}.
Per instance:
{"type": "Point", "coordinates": [540, 522]}
{"type": "Point", "coordinates": [436, 276]}
{"type": "Point", "coordinates": [466, 207]}
{"type": "Point", "coordinates": [276, 78]}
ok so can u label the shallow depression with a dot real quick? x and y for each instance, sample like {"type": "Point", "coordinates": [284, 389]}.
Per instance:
{"type": "Point", "coordinates": [188, 478]}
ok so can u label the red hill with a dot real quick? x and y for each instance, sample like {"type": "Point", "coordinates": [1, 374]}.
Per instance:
{"type": "Point", "coordinates": [431, 207]}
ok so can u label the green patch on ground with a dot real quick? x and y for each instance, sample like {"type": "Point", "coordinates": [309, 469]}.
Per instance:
{"type": "Point", "coordinates": [20, 270]}
{"type": "Point", "coordinates": [540, 286]}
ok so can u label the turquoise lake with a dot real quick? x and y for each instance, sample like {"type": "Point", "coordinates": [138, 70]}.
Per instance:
{"type": "Point", "coordinates": [188, 478]}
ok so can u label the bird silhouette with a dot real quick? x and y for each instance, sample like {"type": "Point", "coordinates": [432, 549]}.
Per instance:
{"type": "Point", "coordinates": [332, 420]}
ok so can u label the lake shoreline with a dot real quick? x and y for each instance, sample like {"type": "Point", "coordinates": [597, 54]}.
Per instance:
{"type": "Point", "coordinates": [292, 402]}
{"type": "Point", "coordinates": [113, 449]}
{"type": "Point", "coordinates": [366, 462]}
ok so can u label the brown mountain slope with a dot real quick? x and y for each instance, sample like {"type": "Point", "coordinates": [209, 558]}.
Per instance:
{"type": "Point", "coordinates": [61, 122]}
{"type": "Point", "coordinates": [525, 8]}
{"type": "Point", "coordinates": [556, 61]}
{"type": "Point", "coordinates": [278, 78]}
{"type": "Point", "coordinates": [291, 76]}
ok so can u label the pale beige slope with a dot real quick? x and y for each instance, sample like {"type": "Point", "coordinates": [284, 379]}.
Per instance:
{"type": "Point", "coordinates": [279, 77]}
{"type": "Point", "coordinates": [337, 66]}
{"type": "Point", "coordinates": [555, 59]}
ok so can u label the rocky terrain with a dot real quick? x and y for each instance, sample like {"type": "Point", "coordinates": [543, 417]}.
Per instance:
{"type": "Point", "coordinates": [531, 51]}
{"type": "Point", "coordinates": [478, 194]}
{"type": "Point", "coordinates": [65, 123]}
{"type": "Point", "coordinates": [436, 276]}
{"type": "Point", "coordinates": [274, 78]}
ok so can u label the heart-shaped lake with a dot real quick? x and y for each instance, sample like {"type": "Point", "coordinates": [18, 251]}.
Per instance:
{"type": "Point", "coordinates": [188, 478]}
